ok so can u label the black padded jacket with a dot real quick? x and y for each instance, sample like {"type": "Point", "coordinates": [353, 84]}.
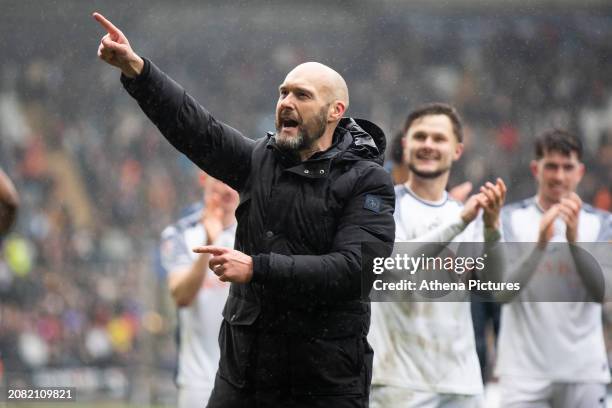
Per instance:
{"type": "Point", "coordinates": [301, 323]}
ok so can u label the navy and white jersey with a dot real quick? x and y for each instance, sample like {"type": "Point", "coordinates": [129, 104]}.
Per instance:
{"type": "Point", "coordinates": [555, 341]}
{"type": "Point", "coordinates": [199, 322]}
{"type": "Point", "coordinates": [427, 346]}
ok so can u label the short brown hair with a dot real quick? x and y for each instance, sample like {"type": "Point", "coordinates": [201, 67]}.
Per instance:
{"type": "Point", "coordinates": [557, 140]}
{"type": "Point", "coordinates": [436, 108]}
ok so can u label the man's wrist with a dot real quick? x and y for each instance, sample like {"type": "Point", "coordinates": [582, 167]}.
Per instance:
{"type": "Point", "coordinates": [210, 238]}
{"type": "Point", "coordinates": [491, 223]}
{"type": "Point", "coordinates": [492, 234]}
{"type": "Point", "coordinates": [134, 68]}
{"type": "Point", "coordinates": [145, 70]}
{"type": "Point", "coordinates": [466, 218]}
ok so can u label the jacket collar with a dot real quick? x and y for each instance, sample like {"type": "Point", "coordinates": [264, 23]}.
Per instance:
{"type": "Point", "coordinates": [354, 139]}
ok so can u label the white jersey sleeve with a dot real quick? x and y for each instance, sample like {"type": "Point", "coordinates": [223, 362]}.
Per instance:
{"type": "Point", "coordinates": [173, 248]}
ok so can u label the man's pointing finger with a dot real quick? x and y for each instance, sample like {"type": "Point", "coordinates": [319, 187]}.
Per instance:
{"type": "Point", "coordinates": [110, 27]}
{"type": "Point", "coordinates": [209, 249]}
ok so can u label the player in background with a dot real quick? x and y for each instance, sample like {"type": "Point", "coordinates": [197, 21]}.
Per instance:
{"type": "Point", "coordinates": [9, 202]}
{"type": "Point", "coordinates": [424, 352]}
{"type": "Point", "coordinates": [552, 355]}
{"type": "Point", "coordinates": [196, 290]}
{"type": "Point", "coordinates": [483, 312]}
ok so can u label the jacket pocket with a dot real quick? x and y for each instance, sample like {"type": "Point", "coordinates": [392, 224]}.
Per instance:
{"type": "Point", "coordinates": [328, 366]}
{"type": "Point", "coordinates": [236, 339]}
{"type": "Point", "coordinates": [239, 311]}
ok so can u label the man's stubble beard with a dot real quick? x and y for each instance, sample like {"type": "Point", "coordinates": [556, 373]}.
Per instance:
{"type": "Point", "coordinates": [428, 174]}
{"type": "Point", "coordinates": [305, 139]}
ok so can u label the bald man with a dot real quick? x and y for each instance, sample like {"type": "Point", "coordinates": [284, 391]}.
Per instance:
{"type": "Point", "coordinates": [295, 324]}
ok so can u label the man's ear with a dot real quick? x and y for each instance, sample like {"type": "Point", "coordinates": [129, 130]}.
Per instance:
{"type": "Point", "coordinates": [404, 141]}
{"type": "Point", "coordinates": [336, 111]}
{"type": "Point", "coordinates": [458, 151]}
{"type": "Point", "coordinates": [581, 171]}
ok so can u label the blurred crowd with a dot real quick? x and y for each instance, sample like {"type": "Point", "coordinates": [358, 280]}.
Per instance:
{"type": "Point", "coordinates": [98, 183]}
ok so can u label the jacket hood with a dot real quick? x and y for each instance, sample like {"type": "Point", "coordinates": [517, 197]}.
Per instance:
{"type": "Point", "coordinates": [355, 139]}
{"type": "Point", "coordinates": [366, 141]}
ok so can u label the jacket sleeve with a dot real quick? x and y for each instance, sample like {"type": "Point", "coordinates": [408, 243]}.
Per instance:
{"type": "Point", "coordinates": [367, 217]}
{"type": "Point", "coordinates": [216, 148]}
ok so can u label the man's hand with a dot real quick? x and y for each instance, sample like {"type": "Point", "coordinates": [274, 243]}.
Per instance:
{"type": "Point", "coordinates": [471, 208]}
{"type": "Point", "coordinates": [491, 199]}
{"type": "Point", "coordinates": [547, 224]}
{"type": "Point", "coordinates": [569, 209]}
{"type": "Point", "coordinates": [228, 264]}
{"type": "Point", "coordinates": [115, 49]}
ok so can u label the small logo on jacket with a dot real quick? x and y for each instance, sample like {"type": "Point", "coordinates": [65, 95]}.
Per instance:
{"type": "Point", "coordinates": [372, 203]}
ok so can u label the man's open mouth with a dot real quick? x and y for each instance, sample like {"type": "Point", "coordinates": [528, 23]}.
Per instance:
{"type": "Point", "coordinates": [289, 123]}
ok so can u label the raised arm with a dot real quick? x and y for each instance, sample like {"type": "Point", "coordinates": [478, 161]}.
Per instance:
{"type": "Point", "coordinates": [9, 202]}
{"type": "Point", "coordinates": [216, 148]}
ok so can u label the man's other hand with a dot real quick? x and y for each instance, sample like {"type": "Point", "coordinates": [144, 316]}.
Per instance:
{"type": "Point", "coordinates": [547, 225]}
{"type": "Point", "coordinates": [228, 264]}
{"type": "Point", "coordinates": [569, 209]}
{"type": "Point", "coordinates": [492, 198]}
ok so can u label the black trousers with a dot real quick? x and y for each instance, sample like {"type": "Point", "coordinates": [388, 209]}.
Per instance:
{"type": "Point", "coordinates": [225, 395]}
{"type": "Point", "coordinates": [484, 312]}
